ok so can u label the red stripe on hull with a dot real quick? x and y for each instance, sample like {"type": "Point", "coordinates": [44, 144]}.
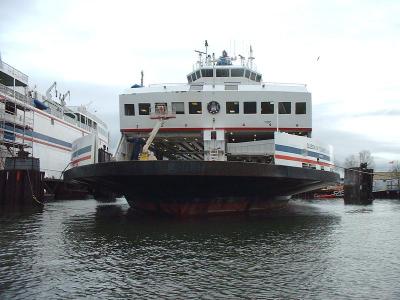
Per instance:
{"type": "Point", "coordinates": [205, 208]}
{"type": "Point", "coordinates": [74, 162]}
{"type": "Point", "coordinates": [285, 157]}
{"type": "Point", "coordinates": [226, 128]}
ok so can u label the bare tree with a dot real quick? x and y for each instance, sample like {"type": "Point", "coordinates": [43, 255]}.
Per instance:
{"type": "Point", "coordinates": [396, 167]}
{"type": "Point", "coordinates": [396, 172]}
{"type": "Point", "coordinates": [351, 161]}
{"type": "Point", "coordinates": [363, 157]}
{"type": "Point", "coordinates": [366, 157]}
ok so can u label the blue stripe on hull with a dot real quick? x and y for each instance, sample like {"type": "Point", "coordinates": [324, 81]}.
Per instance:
{"type": "Point", "coordinates": [37, 135]}
{"type": "Point", "coordinates": [298, 151]}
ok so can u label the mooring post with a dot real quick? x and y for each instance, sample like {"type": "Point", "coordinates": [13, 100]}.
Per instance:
{"type": "Point", "coordinates": [21, 184]}
{"type": "Point", "coordinates": [358, 185]}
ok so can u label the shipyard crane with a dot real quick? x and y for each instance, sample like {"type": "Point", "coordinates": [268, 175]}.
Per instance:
{"type": "Point", "coordinates": [68, 93]}
{"type": "Point", "coordinates": [48, 92]}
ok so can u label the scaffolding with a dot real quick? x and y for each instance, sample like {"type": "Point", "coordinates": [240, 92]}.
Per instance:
{"type": "Point", "coordinates": [16, 114]}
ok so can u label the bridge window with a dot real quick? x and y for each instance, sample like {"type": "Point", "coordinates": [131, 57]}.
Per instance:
{"type": "Point", "coordinates": [301, 108]}
{"type": "Point", "coordinates": [248, 73]}
{"type": "Point", "coordinates": [222, 73]}
{"type": "Point", "coordinates": [207, 72]}
{"type": "Point", "coordinates": [258, 78]}
{"type": "Point", "coordinates": [237, 72]}
{"type": "Point", "coordinates": [189, 78]}
{"type": "Point", "coordinates": [250, 107]}
{"type": "Point", "coordinates": [129, 109]}
{"type": "Point", "coordinates": [198, 74]}
{"type": "Point", "coordinates": [232, 107]}
{"type": "Point", "coordinates": [267, 108]}
{"type": "Point", "coordinates": [253, 76]}
{"type": "Point", "coordinates": [194, 76]}
{"type": "Point", "coordinates": [89, 122]}
{"type": "Point", "coordinates": [161, 107]}
{"type": "Point", "coordinates": [178, 108]}
{"type": "Point", "coordinates": [285, 108]}
{"type": "Point", "coordinates": [195, 108]}
{"type": "Point", "coordinates": [83, 119]}
{"type": "Point", "coordinates": [71, 115]}
{"type": "Point", "coordinates": [144, 109]}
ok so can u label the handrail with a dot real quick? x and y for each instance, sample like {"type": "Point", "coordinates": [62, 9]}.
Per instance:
{"type": "Point", "coordinates": [15, 72]}
{"type": "Point", "coordinates": [264, 82]}
{"type": "Point", "coordinates": [10, 92]}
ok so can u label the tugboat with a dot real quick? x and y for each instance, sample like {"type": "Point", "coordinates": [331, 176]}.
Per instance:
{"type": "Point", "coordinates": [225, 141]}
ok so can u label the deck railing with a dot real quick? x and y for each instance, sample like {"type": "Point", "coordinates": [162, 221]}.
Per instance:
{"type": "Point", "coordinates": [6, 68]}
{"type": "Point", "coordinates": [12, 93]}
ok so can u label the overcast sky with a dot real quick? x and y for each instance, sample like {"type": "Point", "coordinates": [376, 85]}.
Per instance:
{"type": "Point", "coordinates": [97, 48]}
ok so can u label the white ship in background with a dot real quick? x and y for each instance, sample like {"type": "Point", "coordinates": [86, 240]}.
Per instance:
{"type": "Point", "coordinates": [42, 125]}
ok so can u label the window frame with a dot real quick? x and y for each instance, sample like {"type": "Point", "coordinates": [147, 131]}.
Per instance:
{"type": "Point", "coordinates": [140, 109]}
{"type": "Point", "coordinates": [223, 71]}
{"type": "Point", "coordinates": [297, 109]}
{"type": "Point", "coordinates": [271, 103]}
{"type": "Point", "coordinates": [236, 105]}
{"type": "Point", "coordinates": [281, 105]}
{"type": "Point", "coordinates": [204, 72]}
{"type": "Point", "coordinates": [191, 112]}
{"type": "Point", "coordinates": [246, 103]}
{"type": "Point", "coordinates": [174, 109]}
{"type": "Point", "coordinates": [127, 110]}
{"type": "Point", "coordinates": [237, 69]}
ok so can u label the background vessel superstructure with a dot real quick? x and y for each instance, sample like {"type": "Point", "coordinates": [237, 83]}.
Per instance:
{"type": "Point", "coordinates": [42, 125]}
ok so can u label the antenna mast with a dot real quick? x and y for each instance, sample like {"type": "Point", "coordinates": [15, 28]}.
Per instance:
{"type": "Point", "coordinates": [141, 77]}
{"type": "Point", "coordinates": [251, 57]}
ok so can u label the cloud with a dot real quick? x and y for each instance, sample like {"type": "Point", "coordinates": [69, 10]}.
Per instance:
{"type": "Point", "coordinates": [98, 48]}
{"type": "Point", "coordinates": [386, 112]}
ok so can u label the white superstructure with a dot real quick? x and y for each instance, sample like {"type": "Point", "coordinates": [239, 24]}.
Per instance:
{"type": "Point", "coordinates": [41, 125]}
{"type": "Point", "coordinates": [221, 106]}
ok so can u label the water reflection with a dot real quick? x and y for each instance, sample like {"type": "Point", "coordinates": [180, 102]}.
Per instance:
{"type": "Point", "coordinates": [87, 249]}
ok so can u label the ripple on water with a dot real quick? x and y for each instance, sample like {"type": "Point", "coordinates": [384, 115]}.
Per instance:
{"type": "Point", "coordinates": [308, 250]}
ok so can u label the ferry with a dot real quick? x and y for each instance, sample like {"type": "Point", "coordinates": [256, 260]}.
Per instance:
{"type": "Point", "coordinates": [42, 126]}
{"type": "Point", "coordinates": [224, 141]}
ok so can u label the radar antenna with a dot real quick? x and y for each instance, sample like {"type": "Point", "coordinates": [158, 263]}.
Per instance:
{"type": "Point", "coordinates": [200, 56]}
{"type": "Point", "coordinates": [251, 57]}
{"type": "Point", "coordinates": [242, 58]}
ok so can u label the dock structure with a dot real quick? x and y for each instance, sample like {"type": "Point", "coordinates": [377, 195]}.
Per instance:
{"type": "Point", "coordinates": [21, 184]}
{"type": "Point", "coordinates": [358, 184]}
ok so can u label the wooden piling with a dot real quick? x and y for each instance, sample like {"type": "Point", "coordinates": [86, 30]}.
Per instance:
{"type": "Point", "coordinates": [358, 185]}
{"type": "Point", "coordinates": [21, 184]}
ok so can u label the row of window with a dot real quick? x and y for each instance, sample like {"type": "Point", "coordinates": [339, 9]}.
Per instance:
{"type": "Point", "coordinates": [82, 119]}
{"type": "Point", "coordinates": [232, 107]}
{"type": "Point", "coordinates": [224, 72]}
